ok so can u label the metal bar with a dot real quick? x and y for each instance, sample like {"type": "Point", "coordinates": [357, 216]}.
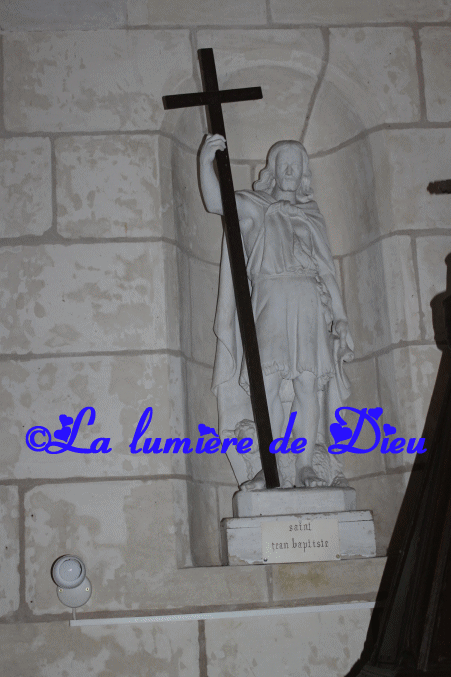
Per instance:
{"type": "Point", "coordinates": [208, 97]}
{"type": "Point", "coordinates": [240, 281]}
{"type": "Point", "coordinates": [216, 615]}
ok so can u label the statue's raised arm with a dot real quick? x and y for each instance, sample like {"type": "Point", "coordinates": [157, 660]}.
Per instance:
{"type": "Point", "coordinates": [208, 180]}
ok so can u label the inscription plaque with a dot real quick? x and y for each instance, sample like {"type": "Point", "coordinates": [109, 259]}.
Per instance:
{"type": "Point", "coordinates": [301, 540]}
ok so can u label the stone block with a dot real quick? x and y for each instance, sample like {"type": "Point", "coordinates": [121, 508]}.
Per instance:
{"type": "Point", "coordinates": [344, 189]}
{"type": "Point", "coordinates": [244, 535]}
{"type": "Point", "coordinates": [190, 126]}
{"type": "Point", "coordinates": [211, 468]}
{"type": "Point", "coordinates": [183, 269]}
{"type": "Point", "coordinates": [137, 13]}
{"type": "Point", "coordinates": [192, 589]}
{"type": "Point", "coordinates": [383, 495]}
{"type": "Point", "coordinates": [202, 405]}
{"type": "Point", "coordinates": [109, 186]}
{"type": "Point", "coordinates": [285, 64]}
{"type": "Point", "coordinates": [204, 524]}
{"type": "Point", "coordinates": [404, 162]}
{"type": "Point", "coordinates": [44, 649]}
{"type": "Point", "coordinates": [436, 66]}
{"type": "Point", "coordinates": [242, 176]}
{"type": "Point", "coordinates": [342, 12]}
{"type": "Point", "coordinates": [72, 81]}
{"type": "Point", "coordinates": [364, 393]}
{"type": "Point", "coordinates": [62, 15]}
{"type": "Point", "coordinates": [198, 13]}
{"type": "Point", "coordinates": [432, 270]}
{"type": "Point", "coordinates": [9, 550]}
{"type": "Point", "coordinates": [84, 298]}
{"type": "Point", "coordinates": [381, 295]}
{"type": "Point", "coordinates": [197, 231]}
{"type": "Point", "coordinates": [407, 377]}
{"type": "Point", "coordinates": [225, 510]}
{"type": "Point", "coordinates": [225, 494]}
{"type": "Point", "coordinates": [371, 74]}
{"type": "Point", "coordinates": [357, 579]}
{"type": "Point", "coordinates": [334, 119]}
{"type": "Point", "coordinates": [210, 586]}
{"type": "Point", "coordinates": [204, 279]}
{"type": "Point", "coordinates": [120, 388]}
{"type": "Point", "coordinates": [172, 296]}
{"type": "Point", "coordinates": [292, 501]}
{"type": "Point", "coordinates": [25, 186]}
{"type": "Point", "coordinates": [314, 644]}
{"type": "Point", "coordinates": [123, 531]}
{"type": "Point", "coordinates": [202, 408]}
{"type": "Point", "coordinates": [182, 526]}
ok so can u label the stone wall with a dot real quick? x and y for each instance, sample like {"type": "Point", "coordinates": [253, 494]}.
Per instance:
{"type": "Point", "coordinates": [109, 269]}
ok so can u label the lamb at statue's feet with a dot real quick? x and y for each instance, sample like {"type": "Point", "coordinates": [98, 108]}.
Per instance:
{"type": "Point", "coordinates": [308, 478]}
{"type": "Point", "coordinates": [340, 481]}
{"type": "Point", "coordinates": [257, 484]}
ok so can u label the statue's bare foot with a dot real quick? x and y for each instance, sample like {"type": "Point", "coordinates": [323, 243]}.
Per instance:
{"type": "Point", "coordinates": [257, 484]}
{"type": "Point", "coordinates": [308, 478]}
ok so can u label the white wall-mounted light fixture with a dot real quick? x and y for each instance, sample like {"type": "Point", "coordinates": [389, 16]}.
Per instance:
{"type": "Point", "coordinates": [72, 586]}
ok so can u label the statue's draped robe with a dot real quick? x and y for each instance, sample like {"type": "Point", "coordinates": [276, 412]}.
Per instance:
{"type": "Point", "coordinates": [292, 310]}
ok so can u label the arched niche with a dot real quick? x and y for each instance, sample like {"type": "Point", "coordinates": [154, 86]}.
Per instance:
{"type": "Point", "coordinates": [345, 188]}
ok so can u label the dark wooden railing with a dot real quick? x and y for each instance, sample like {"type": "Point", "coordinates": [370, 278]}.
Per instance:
{"type": "Point", "coordinates": [410, 631]}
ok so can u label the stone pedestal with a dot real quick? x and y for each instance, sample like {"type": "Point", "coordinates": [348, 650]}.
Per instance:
{"type": "Point", "coordinates": [242, 534]}
{"type": "Point", "coordinates": [293, 501]}
{"type": "Point", "coordinates": [242, 537]}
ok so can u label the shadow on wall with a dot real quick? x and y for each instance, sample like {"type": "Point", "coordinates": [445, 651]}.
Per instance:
{"type": "Point", "coordinates": [344, 187]}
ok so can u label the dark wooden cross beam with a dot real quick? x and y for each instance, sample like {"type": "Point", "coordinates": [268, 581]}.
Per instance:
{"type": "Point", "coordinates": [213, 98]}
{"type": "Point", "coordinates": [439, 187]}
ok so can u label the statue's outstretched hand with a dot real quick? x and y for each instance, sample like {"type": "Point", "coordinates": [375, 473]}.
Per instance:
{"type": "Point", "coordinates": [212, 143]}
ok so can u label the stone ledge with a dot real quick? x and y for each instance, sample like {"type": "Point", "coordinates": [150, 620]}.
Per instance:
{"type": "Point", "coordinates": [240, 587]}
{"type": "Point", "coordinates": [296, 583]}
{"type": "Point", "coordinates": [318, 580]}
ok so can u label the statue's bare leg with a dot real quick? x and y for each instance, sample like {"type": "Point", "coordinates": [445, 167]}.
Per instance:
{"type": "Point", "coordinates": [306, 425]}
{"type": "Point", "coordinates": [276, 415]}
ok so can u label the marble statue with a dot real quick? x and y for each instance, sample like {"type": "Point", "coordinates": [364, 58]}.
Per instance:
{"type": "Point", "coordinates": [301, 324]}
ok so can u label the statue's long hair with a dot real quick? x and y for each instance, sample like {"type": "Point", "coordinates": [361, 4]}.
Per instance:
{"type": "Point", "coordinates": [267, 181]}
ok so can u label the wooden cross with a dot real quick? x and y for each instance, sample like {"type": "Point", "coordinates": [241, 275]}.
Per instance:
{"type": "Point", "coordinates": [213, 98]}
{"type": "Point", "coordinates": [439, 187]}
